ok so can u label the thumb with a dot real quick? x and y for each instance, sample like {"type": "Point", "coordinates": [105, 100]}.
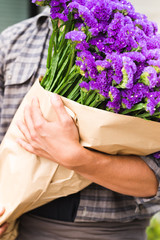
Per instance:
{"type": "Point", "coordinates": [59, 108]}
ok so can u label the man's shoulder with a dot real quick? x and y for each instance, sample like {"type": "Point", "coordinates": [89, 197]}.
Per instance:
{"type": "Point", "coordinates": [17, 28]}
{"type": "Point", "coordinates": [22, 29]}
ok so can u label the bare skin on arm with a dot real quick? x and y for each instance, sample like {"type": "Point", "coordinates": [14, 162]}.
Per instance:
{"type": "Point", "coordinates": [59, 142]}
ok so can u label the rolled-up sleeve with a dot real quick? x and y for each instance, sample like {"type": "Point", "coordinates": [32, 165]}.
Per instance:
{"type": "Point", "coordinates": [154, 164]}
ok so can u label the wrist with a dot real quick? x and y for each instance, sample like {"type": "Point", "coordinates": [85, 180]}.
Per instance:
{"type": "Point", "coordinates": [75, 157]}
{"type": "Point", "coordinates": [89, 162]}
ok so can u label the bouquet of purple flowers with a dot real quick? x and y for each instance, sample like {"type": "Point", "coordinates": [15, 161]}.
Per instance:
{"type": "Point", "coordinates": [101, 54]}
{"type": "Point", "coordinates": [104, 54]}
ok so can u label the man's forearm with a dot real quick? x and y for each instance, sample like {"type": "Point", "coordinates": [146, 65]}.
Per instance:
{"type": "Point", "coordinates": [128, 175]}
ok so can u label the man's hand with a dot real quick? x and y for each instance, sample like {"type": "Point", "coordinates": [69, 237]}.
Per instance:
{"type": "Point", "coordinates": [57, 141]}
{"type": "Point", "coordinates": [3, 227]}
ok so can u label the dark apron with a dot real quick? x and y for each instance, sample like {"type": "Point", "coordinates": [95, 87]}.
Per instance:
{"type": "Point", "coordinates": [37, 228]}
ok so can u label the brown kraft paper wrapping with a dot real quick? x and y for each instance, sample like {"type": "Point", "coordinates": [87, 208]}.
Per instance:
{"type": "Point", "coordinates": [28, 181]}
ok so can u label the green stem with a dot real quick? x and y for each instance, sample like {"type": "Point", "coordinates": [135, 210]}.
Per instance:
{"type": "Point", "coordinates": [96, 102]}
{"type": "Point", "coordinates": [74, 94]}
{"type": "Point", "coordinates": [59, 76]}
{"type": "Point", "coordinates": [145, 115]}
{"type": "Point", "coordinates": [44, 82]}
{"type": "Point", "coordinates": [73, 76]}
{"type": "Point", "coordinates": [50, 48]}
{"type": "Point", "coordinates": [54, 65]}
{"type": "Point", "coordinates": [90, 99]}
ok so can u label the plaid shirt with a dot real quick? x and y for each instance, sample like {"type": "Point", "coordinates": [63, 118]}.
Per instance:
{"type": "Point", "coordinates": [23, 52]}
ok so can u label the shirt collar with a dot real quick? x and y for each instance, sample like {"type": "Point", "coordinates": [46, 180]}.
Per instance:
{"type": "Point", "coordinates": [45, 14]}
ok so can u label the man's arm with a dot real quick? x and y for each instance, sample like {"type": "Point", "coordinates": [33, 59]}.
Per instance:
{"type": "Point", "coordinates": [59, 142]}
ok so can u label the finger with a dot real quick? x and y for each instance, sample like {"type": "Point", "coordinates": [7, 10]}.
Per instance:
{"type": "Point", "coordinates": [28, 120]}
{"type": "Point", "coordinates": [24, 130]}
{"type": "Point", "coordinates": [59, 108]}
{"type": "Point", "coordinates": [3, 228]}
{"type": "Point", "coordinates": [31, 149]}
{"type": "Point", "coordinates": [25, 145]}
{"type": "Point", "coordinates": [37, 117]}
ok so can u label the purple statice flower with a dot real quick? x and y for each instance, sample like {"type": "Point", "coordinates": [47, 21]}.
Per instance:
{"type": "Point", "coordinates": [85, 85]}
{"type": "Point", "coordinates": [123, 6]}
{"type": "Point", "coordinates": [98, 42]}
{"type": "Point", "coordinates": [86, 15]}
{"type": "Point", "coordinates": [89, 60]}
{"type": "Point", "coordinates": [135, 95]}
{"type": "Point", "coordinates": [83, 54]}
{"type": "Point", "coordinates": [156, 155]}
{"type": "Point", "coordinates": [82, 46]}
{"type": "Point", "coordinates": [94, 31]}
{"type": "Point", "coordinates": [145, 25]}
{"type": "Point", "coordinates": [97, 56]}
{"type": "Point", "coordinates": [128, 71]}
{"type": "Point", "coordinates": [76, 36]}
{"type": "Point", "coordinates": [115, 99]}
{"type": "Point", "coordinates": [61, 16]}
{"type": "Point", "coordinates": [102, 83]}
{"type": "Point", "coordinates": [136, 15]}
{"type": "Point", "coordinates": [102, 10]}
{"type": "Point", "coordinates": [153, 42]}
{"type": "Point", "coordinates": [55, 3]}
{"type": "Point", "coordinates": [91, 67]}
{"type": "Point", "coordinates": [116, 24]}
{"type": "Point", "coordinates": [41, 2]}
{"type": "Point", "coordinates": [140, 68]}
{"type": "Point", "coordinates": [153, 54]}
{"type": "Point", "coordinates": [81, 65]}
{"type": "Point", "coordinates": [74, 6]}
{"type": "Point", "coordinates": [59, 9]}
{"type": "Point", "coordinates": [117, 64]}
{"type": "Point", "coordinates": [125, 38]}
{"type": "Point", "coordinates": [155, 27]}
{"type": "Point", "coordinates": [149, 77]}
{"type": "Point", "coordinates": [153, 98]}
{"type": "Point", "coordinates": [155, 64]}
{"type": "Point", "coordinates": [78, 24]}
{"type": "Point", "coordinates": [102, 65]}
{"type": "Point", "coordinates": [158, 80]}
{"type": "Point", "coordinates": [135, 56]}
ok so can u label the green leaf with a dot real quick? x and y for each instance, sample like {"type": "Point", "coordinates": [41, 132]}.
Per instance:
{"type": "Point", "coordinates": [58, 76]}
{"type": "Point", "coordinates": [136, 107]}
{"type": "Point", "coordinates": [53, 67]}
